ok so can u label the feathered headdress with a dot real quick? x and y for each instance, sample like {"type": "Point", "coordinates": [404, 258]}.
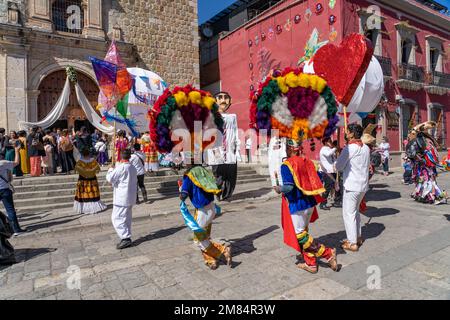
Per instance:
{"type": "Point", "coordinates": [180, 109]}
{"type": "Point", "coordinates": [301, 106]}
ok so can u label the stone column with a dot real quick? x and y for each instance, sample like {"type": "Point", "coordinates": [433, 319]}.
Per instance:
{"type": "Point", "coordinates": [32, 112]}
{"type": "Point", "coordinates": [13, 83]}
{"type": "Point", "coordinates": [93, 21]}
{"type": "Point", "coordinates": [40, 15]}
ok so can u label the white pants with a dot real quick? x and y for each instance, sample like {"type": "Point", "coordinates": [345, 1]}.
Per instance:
{"type": "Point", "coordinates": [300, 220]}
{"type": "Point", "coordinates": [121, 220]}
{"type": "Point", "coordinates": [351, 214]}
{"type": "Point", "coordinates": [205, 217]}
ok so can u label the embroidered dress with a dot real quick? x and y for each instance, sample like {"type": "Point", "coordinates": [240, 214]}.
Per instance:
{"type": "Point", "coordinates": [121, 144]}
{"type": "Point", "coordinates": [87, 195]}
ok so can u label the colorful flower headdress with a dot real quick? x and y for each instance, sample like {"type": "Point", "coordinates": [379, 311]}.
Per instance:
{"type": "Point", "coordinates": [179, 109]}
{"type": "Point", "coordinates": [301, 106]}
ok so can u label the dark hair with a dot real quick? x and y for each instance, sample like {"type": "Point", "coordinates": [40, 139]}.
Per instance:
{"type": "Point", "coordinates": [356, 129]}
{"type": "Point", "coordinates": [47, 132]}
{"type": "Point", "coordinates": [126, 154]}
{"type": "Point", "coordinates": [121, 133]}
{"type": "Point", "coordinates": [137, 147]}
{"type": "Point", "coordinates": [2, 130]}
{"type": "Point", "coordinates": [22, 133]}
{"type": "Point", "coordinates": [326, 140]}
{"type": "Point", "coordinates": [85, 151]}
{"type": "Point", "coordinates": [34, 129]}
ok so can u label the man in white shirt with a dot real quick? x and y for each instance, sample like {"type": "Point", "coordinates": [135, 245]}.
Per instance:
{"type": "Point", "coordinates": [138, 161]}
{"type": "Point", "coordinates": [327, 157]}
{"type": "Point", "coordinates": [123, 178]}
{"type": "Point", "coordinates": [354, 162]}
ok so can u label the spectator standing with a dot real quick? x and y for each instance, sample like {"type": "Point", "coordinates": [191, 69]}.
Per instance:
{"type": "Point", "coordinates": [10, 152]}
{"type": "Point", "coordinates": [66, 152]}
{"type": "Point", "coordinates": [24, 159]}
{"type": "Point", "coordinates": [138, 161]}
{"type": "Point", "coordinates": [6, 193]}
{"type": "Point", "coordinates": [384, 149]}
{"type": "Point", "coordinates": [35, 151]}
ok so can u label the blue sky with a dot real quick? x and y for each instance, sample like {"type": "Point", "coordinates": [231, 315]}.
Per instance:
{"type": "Point", "coordinates": [209, 8]}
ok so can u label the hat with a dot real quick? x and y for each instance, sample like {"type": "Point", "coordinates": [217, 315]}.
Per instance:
{"type": "Point", "coordinates": [293, 144]}
{"type": "Point", "coordinates": [368, 139]}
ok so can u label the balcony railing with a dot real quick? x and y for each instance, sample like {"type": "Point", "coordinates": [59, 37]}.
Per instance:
{"type": "Point", "coordinates": [411, 72]}
{"type": "Point", "coordinates": [439, 79]}
{"type": "Point", "coordinates": [386, 65]}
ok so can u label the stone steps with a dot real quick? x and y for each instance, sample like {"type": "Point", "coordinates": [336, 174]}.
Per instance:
{"type": "Point", "coordinates": [57, 192]}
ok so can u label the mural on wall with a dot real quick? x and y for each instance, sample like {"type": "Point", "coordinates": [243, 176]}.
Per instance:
{"type": "Point", "coordinates": [266, 63]}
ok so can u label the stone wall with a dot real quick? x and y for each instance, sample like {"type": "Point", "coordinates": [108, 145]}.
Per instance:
{"type": "Point", "coordinates": [165, 33]}
{"type": "Point", "coordinates": [4, 9]}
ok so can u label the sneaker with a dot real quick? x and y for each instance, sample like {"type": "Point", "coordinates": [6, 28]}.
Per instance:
{"type": "Point", "coordinates": [323, 206]}
{"type": "Point", "coordinates": [125, 243]}
{"type": "Point", "coordinates": [19, 232]}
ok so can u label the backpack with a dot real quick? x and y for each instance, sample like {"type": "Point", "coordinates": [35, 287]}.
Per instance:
{"type": "Point", "coordinates": [375, 159]}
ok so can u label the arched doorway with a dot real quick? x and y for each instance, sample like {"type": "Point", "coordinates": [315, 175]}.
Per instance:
{"type": "Point", "coordinates": [51, 88]}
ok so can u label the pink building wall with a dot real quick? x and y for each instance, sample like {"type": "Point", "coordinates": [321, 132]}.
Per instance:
{"type": "Point", "coordinates": [236, 56]}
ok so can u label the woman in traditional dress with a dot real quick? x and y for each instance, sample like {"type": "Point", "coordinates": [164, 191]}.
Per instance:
{"type": "Point", "coordinates": [10, 152]}
{"type": "Point", "coordinates": [24, 160]}
{"type": "Point", "coordinates": [87, 195]}
{"type": "Point", "coordinates": [121, 144]}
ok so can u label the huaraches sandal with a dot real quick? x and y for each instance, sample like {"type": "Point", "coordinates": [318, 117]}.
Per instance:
{"type": "Point", "coordinates": [332, 262]}
{"type": "Point", "coordinates": [310, 269]}
{"type": "Point", "coordinates": [227, 256]}
{"type": "Point", "coordinates": [347, 246]}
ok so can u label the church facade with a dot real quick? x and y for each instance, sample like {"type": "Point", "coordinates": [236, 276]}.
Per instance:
{"type": "Point", "coordinates": [40, 38]}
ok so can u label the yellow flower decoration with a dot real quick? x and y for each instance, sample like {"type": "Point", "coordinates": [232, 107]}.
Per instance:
{"type": "Point", "coordinates": [209, 102]}
{"type": "Point", "coordinates": [321, 84]}
{"type": "Point", "coordinates": [303, 80]}
{"type": "Point", "coordinates": [292, 80]}
{"type": "Point", "coordinates": [195, 97]}
{"type": "Point", "coordinates": [299, 126]}
{"type": "Point", "coordinates": [282, 84]}
{"type": "Point", "coordinates": [181, 99]}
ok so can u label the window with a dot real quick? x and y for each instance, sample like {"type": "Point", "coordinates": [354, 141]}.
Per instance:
{"type": "Point", "coordinates": [434, 53]}
{"type": "Point", "coordinates": [370, 24]}
{"type": "Point", "coordinates": [406, 51]}
{"type": "Point", "coordinates": [68, 16]}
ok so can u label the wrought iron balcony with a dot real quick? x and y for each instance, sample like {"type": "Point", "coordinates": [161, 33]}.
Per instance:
{"type": "Point", "coordinates": [439, 79]}
{"type": "Point", "coordinates": [386, 65]}
{"type": "Point", "coordinates": [411, 72]}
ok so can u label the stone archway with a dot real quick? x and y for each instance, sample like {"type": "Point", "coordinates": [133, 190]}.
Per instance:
{"type": "Point", "coordinates": [50, 89]}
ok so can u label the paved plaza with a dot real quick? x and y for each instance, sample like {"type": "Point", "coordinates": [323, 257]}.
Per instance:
{"type": "Point", "coordinates": [406, 254]}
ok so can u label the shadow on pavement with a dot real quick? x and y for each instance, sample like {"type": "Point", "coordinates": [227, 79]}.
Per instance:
{"type": "Point", "coordinates": [378, 186]}
{"type": "Point", "coordinates": [382, 195]}
{"type": "Point", "coordinates": [373, 212]}
{"type": "Point", "coordinates": [369, 231]}
{"type": "Point", "coordinates": [158, 234]}
{"type": "Point", "coordinates": [50, 223]}
{"type": "Point", "coordinates": [23, 255]}
{"type": "Point", "coordinates": [447, 216]}
{"type": "Point", "coordinates": [245, 244]}
{"type": "Point", "coordinates": [247, 194]}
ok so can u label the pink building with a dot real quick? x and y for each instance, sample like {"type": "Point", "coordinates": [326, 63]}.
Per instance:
{"type": "Point", "coordinates": [411, 41]}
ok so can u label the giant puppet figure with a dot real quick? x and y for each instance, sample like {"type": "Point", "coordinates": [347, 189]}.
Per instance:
{"type": "Point", "coordinates": [422, 150]}
{"type": "Point", "coordinates": [224, 156]}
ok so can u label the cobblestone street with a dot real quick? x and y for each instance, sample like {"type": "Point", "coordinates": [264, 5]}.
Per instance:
{"type": "Point", "coordinates": [408, 242]}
